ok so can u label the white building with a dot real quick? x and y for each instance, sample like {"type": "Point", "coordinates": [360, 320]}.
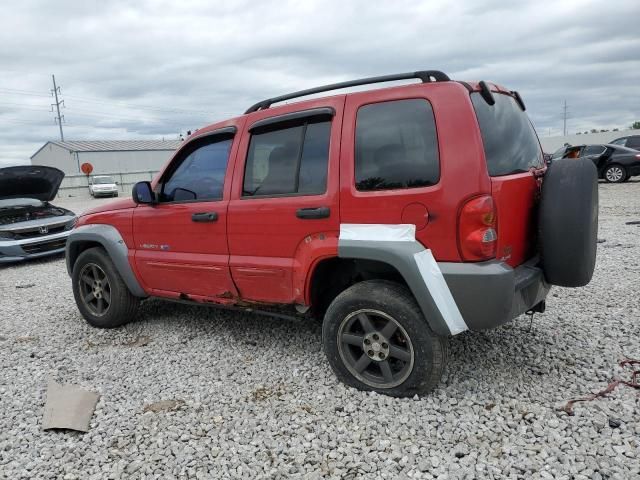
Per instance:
{"type": "Point", "coordinates": [106, 156]}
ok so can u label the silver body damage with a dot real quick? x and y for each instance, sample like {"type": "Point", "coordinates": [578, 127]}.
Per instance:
{"type": "Point", "coordinates": [484, 294]}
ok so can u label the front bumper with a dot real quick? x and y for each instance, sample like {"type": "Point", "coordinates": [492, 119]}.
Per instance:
{"type": "Point", "coordinates": [18, 250]}
{"type": "Point", "coordinates": [105, 193]}
{"type": "Point", "coordinates": [489, 294]}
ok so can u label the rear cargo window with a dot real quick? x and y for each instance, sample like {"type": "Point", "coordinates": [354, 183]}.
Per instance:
{"type": "Point", "coordinates": [396, 146]}
{"type": "Point", "coordinates": [510, 142]}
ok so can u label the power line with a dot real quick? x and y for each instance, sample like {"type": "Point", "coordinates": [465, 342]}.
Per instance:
{"type": "Point", "coordinates": [137, 106]}
{"type": "Point", "coordinates": [82, 99]}
{"type": "Point", "coordinates": [13, 91]}
{"type": "Point", "coordinates": [55, 92]}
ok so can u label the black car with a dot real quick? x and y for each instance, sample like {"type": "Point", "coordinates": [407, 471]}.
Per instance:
{"type": "Point", "coordinates": [630, 141]}
{"type": "Point", "coordinates": [615, 164]}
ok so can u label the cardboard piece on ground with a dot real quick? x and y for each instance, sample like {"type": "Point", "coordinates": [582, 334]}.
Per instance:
{"type": "Point", "coordinates": [68, 407]}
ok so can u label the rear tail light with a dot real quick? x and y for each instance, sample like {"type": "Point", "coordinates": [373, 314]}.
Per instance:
{"type": "Point", "coordinates": [638, 156]}
{"type": "Point", "coordinates": [477, 235]}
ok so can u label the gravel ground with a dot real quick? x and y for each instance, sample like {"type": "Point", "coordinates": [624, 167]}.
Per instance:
{"type": "Point", "coordinates": [253, 397]}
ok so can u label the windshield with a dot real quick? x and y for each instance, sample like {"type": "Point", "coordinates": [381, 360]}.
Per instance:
{"type": "Point", "coordinates": [510, 142]}
{"type": "Point", "coordinates": [102, 180]}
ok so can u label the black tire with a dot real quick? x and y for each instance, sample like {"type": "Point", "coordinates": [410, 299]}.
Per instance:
{"type": "Point", "coordinates": [615, 174]}
{"type": "Point", "coordinates": [122, 305]}
{"type": "Point", "coordinates": [568, 223]}
{"type": "Point", "coordinates": [424, 352]}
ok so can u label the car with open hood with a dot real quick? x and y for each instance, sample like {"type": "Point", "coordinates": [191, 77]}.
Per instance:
{"type": "Point", "coordinates": [30, 226]}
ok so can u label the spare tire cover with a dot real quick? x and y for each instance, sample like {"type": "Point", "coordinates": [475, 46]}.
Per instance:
{"type": "Point", "coordinates": [568, 222]}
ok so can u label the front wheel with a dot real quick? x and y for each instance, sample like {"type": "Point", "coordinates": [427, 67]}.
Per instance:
{"type": "Point", "coordinates": [615, 174]}
{"type": "Point", "coordinates": [100, 293]}
{"type": "Point", "coordinates": [376, 338]}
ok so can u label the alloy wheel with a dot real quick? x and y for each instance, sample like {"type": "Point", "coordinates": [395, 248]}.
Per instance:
{"type": "Point", "coordinates": [95, 289]}
{"type": "Point", "coordinates": [375, 348]}
{"type": "Point", "coordinates": [614, 174]}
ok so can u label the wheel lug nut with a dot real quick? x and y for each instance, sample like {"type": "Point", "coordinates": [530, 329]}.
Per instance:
{"type": "Point", "coordinates": [381, 356]}
{"type": "Point", "coordinates": [384, 345]}
{"type": "Point", "coordinates": [370, 353]}
{"type": "Point", "coordinates": [375, 336]}
{"type": "Point", "coordinates": [367, 341]}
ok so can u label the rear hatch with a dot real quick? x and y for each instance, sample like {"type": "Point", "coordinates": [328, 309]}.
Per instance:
{"type": "Point", "coordinates": [515, 164]}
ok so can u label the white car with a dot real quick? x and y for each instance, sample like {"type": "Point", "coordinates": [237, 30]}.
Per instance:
{"type": "Point", "coordinates": [103, 185]}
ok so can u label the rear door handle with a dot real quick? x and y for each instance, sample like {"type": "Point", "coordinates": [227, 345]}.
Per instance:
{"type": "Point", "coordinates": [205, 217]}
{"type": "Point", "coordinates": [311, 213]}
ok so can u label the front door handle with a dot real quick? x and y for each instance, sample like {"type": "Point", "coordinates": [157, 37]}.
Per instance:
{"type": "Point", "coordinates": [311, 213]}
{"type": "Point", "coordinates": [205, 217]}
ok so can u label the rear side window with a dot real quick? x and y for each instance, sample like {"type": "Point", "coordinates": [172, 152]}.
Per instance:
{"type": "Point", "coordinates": [510, 142]}
{"type": "Point", "coordinates": [633, 142]}
{"type": "Point", "coordinates": [396, 146]}
{"type": "Point", "coordinates": [288, 161]}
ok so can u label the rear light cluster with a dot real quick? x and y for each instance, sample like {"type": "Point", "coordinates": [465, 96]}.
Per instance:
{"type": "Point", "coordinates": [477, 235]}
{"type": "Point", "coordinates": [638, 156]}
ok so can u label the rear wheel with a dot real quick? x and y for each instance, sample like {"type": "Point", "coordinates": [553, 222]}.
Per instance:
{"type": "Point", "coordinates": [615, 174]}
{"type": "Point", "coordinates": [376, 338]}
{"type": "Point", "coordinates": [102, 297]}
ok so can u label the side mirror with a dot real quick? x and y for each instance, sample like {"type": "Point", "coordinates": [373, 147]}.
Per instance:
{"type": "Point", "coordinates": [142, 193]}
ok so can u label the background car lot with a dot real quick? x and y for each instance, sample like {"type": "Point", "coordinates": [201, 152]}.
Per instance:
{"type": "Point", "coordinates": [252, 401]}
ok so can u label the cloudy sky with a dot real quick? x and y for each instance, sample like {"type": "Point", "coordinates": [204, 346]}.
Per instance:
{"type": "Point", "coordinates": [153, 69]}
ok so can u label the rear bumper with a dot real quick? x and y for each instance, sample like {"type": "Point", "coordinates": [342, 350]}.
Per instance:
{"type": "Point", "coordinates": [633, 170]}
{"type": "Point", "coordinates": [489, 294]}
{"type": "Point", "coordinates": [18, 250]}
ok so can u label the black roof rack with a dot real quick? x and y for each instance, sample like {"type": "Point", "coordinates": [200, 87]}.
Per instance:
{"type": "Point", "coordinates": [425, 75]}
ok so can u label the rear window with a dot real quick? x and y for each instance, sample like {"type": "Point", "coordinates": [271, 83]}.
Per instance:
{"type": "Point", "coordinates": [510, 142]}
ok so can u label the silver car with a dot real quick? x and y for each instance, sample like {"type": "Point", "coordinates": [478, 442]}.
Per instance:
{"type": "Point", "coordinates": [30, 226]}
{"type": "Point", "coordinates": [103, 186]}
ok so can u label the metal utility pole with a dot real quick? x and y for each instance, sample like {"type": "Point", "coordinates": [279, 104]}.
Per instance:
{"type": "Point", "coordinates": [565, 115]}
{"type": "Point", "coordinates": [59, 118]}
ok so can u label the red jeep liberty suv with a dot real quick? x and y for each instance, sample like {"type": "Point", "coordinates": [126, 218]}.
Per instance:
{"type": "Point", "coordinates": [399, 215]}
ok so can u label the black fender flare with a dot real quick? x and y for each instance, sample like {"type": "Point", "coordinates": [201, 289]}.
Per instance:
{"type": "Point", "coordinates": [110, 239]}
{"type": "Point", "coordinates": [401, 256]}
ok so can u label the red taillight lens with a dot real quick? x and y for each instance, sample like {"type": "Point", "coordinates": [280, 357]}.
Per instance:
{"type": "Point", "coordinates": [477, 235]}
{"type": "Point", "coordinates": [638, 156]}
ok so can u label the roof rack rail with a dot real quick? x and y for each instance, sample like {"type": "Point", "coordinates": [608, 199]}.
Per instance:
{"type": "Point", "coordinates": [425, 75]}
